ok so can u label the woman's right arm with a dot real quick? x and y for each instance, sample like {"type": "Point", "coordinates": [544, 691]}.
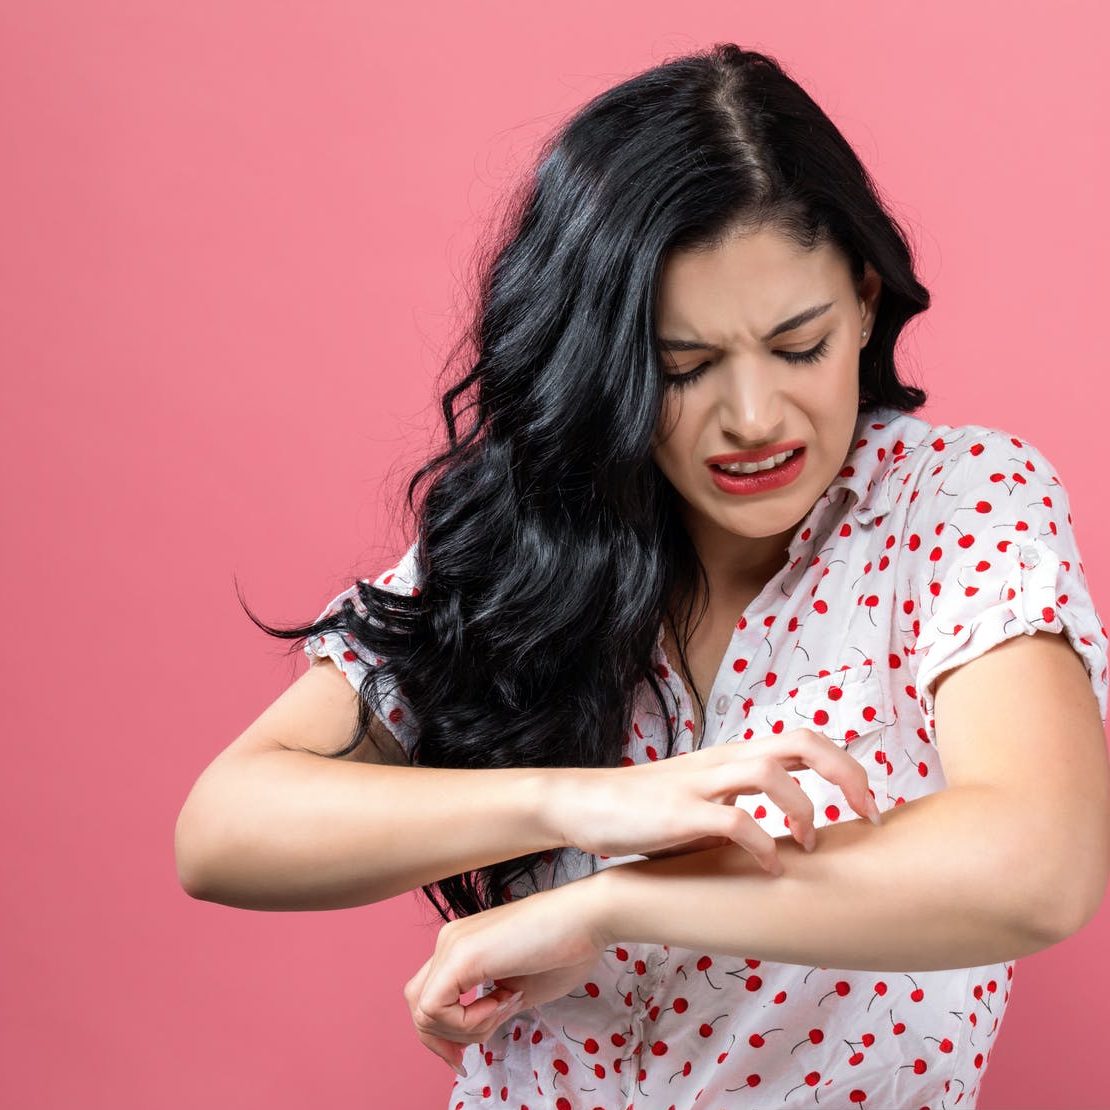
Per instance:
{"type": "Point", "coordinates": [273, 824]}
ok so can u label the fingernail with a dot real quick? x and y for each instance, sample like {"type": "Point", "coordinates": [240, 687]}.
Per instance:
{"type": "Point", "coordinates": [460, 1070]}
{"type": "Point", "coordinates": [873, 811]}
{"type": "Point", "coordinates": [810, 840]}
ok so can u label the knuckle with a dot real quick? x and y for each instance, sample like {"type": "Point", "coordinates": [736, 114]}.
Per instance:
{"type": "Point", "coordinates": [764, 765]}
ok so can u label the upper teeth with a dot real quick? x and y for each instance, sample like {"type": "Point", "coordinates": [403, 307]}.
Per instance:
{"type": "Point", "coordinates": [751, 468]}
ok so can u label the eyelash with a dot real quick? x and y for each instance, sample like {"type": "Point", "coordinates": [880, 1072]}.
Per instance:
{"type": "Point", "coordinates": [678, 381]}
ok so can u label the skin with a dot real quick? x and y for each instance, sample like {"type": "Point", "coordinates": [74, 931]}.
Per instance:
{"type": "Point", "coordinates": [751, 396]}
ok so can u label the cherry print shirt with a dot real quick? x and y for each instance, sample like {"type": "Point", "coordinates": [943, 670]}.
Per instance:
{"type": "Point", "coordinates": [933, 544]}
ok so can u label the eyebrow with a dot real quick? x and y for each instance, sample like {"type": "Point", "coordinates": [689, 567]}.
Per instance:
{"type": "Point", "coordinates": [795, 321]}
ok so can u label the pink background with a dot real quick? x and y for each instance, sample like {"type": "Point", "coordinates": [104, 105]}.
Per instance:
{"type": "Point", "coordinates": [235, 242]}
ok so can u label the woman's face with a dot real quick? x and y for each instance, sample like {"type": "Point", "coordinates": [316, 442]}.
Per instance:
{"type": "Point", "coordinates": [747, 388]}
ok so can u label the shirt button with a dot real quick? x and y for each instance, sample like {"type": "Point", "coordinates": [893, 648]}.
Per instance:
{"type": "Point", "coordinates": [1030, 556]}
{"type": "Point", "coordinates": [722, 703]}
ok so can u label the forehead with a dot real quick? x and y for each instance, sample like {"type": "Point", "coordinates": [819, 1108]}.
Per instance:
{"type": "Point", "coordinates": [755, 279]}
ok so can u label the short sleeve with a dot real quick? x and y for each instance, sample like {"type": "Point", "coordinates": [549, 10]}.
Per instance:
{"type": "Point", "coordinates": [354, 660]}
{"type": "Point", "coordinates": [993, 555]}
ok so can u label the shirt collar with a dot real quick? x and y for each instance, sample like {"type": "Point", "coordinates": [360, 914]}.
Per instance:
{"type": "Point", "coordinates": [865, 477]}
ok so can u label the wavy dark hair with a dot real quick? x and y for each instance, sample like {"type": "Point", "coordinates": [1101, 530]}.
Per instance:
{"type": "Point", "coordinates": [549, 543]}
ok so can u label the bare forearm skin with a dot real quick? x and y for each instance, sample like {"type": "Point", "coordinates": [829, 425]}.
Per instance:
{"type": "Point", "coordinates": [288, 830]}
{"type": "Point", "coordinates": [944, 882]}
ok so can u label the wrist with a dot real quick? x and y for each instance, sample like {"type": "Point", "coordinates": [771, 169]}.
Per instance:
{"type": "Point", "coordinates": [556, 793]}
{"type": "Point", "coordinates": [601, 895]}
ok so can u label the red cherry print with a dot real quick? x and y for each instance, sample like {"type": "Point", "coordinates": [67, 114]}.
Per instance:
{"type": "Point", "coordinates": [841, 988]}
{"type": "Point", "coordinates": [816, 1036]}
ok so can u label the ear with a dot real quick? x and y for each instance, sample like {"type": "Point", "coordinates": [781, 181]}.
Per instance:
{"type": "Point", "coordinates": [868, 290]}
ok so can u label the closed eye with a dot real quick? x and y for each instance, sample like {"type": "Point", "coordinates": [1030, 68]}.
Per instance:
{"type": "Point", "coordinates": [812, 355]}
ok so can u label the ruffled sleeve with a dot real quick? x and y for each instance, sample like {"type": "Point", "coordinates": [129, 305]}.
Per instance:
{"type": "Point", "coordinates": [355, 661]}
{"type": "Point", "coordinates": [992, 555]}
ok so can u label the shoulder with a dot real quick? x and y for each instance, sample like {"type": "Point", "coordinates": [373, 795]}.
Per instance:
{"type": "Point", "coordinates": [982, 469]}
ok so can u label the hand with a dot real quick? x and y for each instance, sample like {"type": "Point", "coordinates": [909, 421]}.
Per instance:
{"type": "Point", "coordinates": [544, 945]}
{"type": "Point", "coordinates": [687, 803]}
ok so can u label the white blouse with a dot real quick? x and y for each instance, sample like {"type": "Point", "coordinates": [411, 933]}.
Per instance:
{"type": "Point", "coordinates": [932, 545]}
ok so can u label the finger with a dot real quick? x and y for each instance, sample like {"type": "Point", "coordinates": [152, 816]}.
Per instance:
{"type": "Point", "coordinates": [802, 748]}
{"type": "Point", "coordinates": [832, 762]}
{"type": "Point", "coordinates": [771, 778]}
{"type": "Point", "coordinates": [415, 985]}
{"type": "Point", "coordinates": [742, 829]}
{"type": "Point", "coordinates": [450, 1052]}
{"type": "Point", "coordinates": [797, 806]}
{"type": "Point", "coordinates": [439, 1009]}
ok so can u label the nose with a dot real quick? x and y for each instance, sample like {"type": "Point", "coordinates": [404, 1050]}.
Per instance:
{"type": "Point", "coordinates": [750, 407]}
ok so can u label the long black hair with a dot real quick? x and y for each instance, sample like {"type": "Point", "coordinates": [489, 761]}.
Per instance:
{"type": "Point", "coordinates": [549, 544]}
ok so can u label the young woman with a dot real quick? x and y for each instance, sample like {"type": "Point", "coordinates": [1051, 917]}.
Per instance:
{"type": "Point", "coordinates": [692, 514]}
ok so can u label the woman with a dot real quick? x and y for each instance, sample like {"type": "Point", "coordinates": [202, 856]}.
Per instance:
{"type": "Point", "coordinates": [700, 279]}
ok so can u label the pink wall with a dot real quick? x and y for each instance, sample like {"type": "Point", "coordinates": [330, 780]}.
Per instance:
{"type": "Point", "coordinates": [231, 241]}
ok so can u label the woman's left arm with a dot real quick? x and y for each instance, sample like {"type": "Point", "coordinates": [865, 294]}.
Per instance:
{"type": "Point", "coordinates": [1011, 857]}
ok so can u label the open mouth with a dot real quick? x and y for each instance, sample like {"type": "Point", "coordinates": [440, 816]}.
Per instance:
{"type": "Point", "coordinates": [748, 473]}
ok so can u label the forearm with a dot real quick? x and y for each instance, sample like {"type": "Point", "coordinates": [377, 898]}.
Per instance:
{"type": "Point", "coordinates": [288, 830]}
{"type": "Point", "coordinates": [940, 884]}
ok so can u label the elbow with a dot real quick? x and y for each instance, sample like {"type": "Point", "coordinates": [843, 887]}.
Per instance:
{"type": "Point", "coordinates": [1080, 905]}
{"type": "Point", "coordinates": [189, 861]}
{"type": "Point", "coordinates": [1070, 901]}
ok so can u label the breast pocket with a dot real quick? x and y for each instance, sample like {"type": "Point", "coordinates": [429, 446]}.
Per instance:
{"type": "Point", "coordinates": [848, 707]}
